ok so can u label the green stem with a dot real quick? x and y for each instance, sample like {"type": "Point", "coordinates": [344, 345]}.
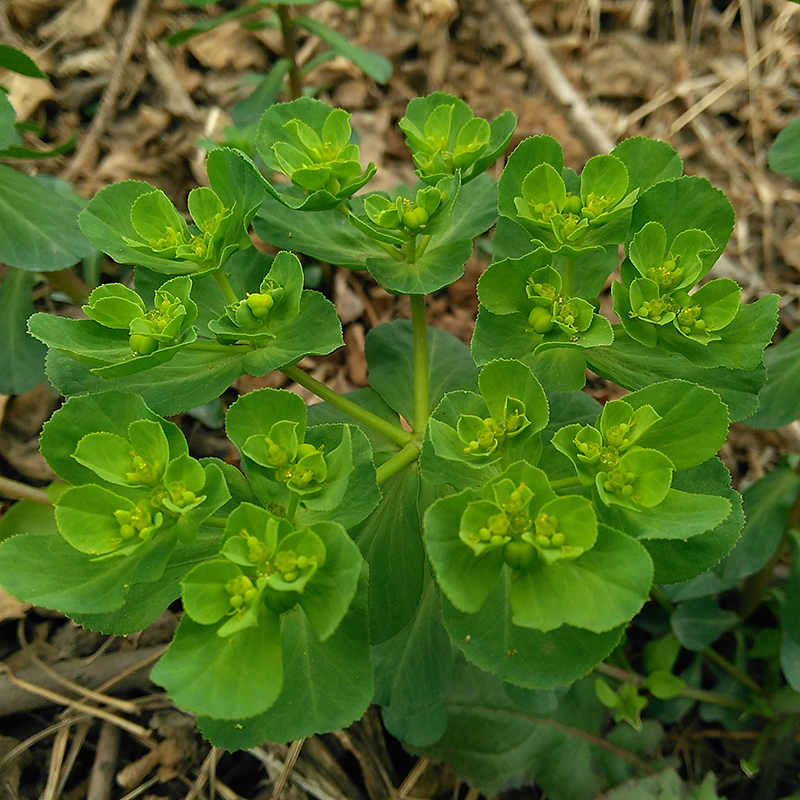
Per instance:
{"type": "Point", "coordinates": [216, 522]}
{"type": "Point", "coordinates": [225, 285]}
{"type": "Point", "coordinates": [420, 337]}
{"type": "Point", "coordinates": [569, 276]}
{"type": "Point", "coordinates": [411, 250]}
{"type": "Point", "coordinates": [391, 432]}
{"type": "Point", "coordinates": [564, 483]}
{"type": "Point", "coordinates": [293, 503]}
{"type": "Point", "coordinates": [21, 491]}
{"type": "Point", "coordinates": [422, 246]}
{"type": "Point", "coordinates": [399, 460]}
{"type": "Point", "coordinates": [689, 692]}
{"type": "Point", "coordinates": [289, 51]}
{"type": "Point", "coordinates": [733, 671]}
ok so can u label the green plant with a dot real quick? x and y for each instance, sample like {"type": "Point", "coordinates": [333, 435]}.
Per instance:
{"type": "Point", "coordinates": [465, 570]}
{"type": "Point", "coordinates": [38, 234]}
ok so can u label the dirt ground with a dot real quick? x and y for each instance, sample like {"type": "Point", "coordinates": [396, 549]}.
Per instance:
{"type": "Point", "coordinates": [718, 79]}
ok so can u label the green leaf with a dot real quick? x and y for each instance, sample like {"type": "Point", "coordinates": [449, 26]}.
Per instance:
{"type": "Point", "coordinates": [248, 111]}
{"type": "Point", "coordinates": [315, 330]}
{"type": "Point", "coordinates": [790, 618]}
{"type": "Point", "coordinates": [326, 686]}
{"type": "Point", "coordinates": [370, 64]}
{"type": "Point", "coordinates": [779, 398]}
{"type": "Point", "coordinates": [328, 595]}
{"type": "Point", "coordinates": [412, 672]}
{"type": "Point", "coordinates": [693, 425]}
{"type": "Point", "coordinates": [256, 412]}
{"type": "Point", "coordinates": [223, 678]}
{"type": "Point", "coordinates": [526, 156]}
{"type": "Point", "coordinates": [391, 542]}
{"type": "Point", "coordinates": [783, 155]}
{"type": "Point", "coordinates": [189, 379]}
{"type": "Point", "coordinates": [110, 412]}
{"type": "Point", "coordinates": [38, 224]}
{"type": "Point", "coordinates": [648, 161]}
{"type": "Point", "coordinates": [26, 516]}
{"type": "Point", "coordinates": [80, 585]}
{"type": "Point", "coordinates": [766, 507]}
{"type": "Point", "coordinates": [523, 656]}
{"type": "Point", "coordinates": [8, 130]}
{"type": "Point", "coordinates": [17, 61]}
{"type": "Point", "coordinates": [499, 737]}
{"type": "Point", "coordinates": [680, 515]}
{"type": "Point", "coordinates": [209, 23]}
{"type": "Point", "coordinates": [664, 685]}
{"type": "Point", "coordinates": [634, 366]}
{"type": "Point", "coordinates": [677, 561]}
{"type": "Point", "coordinates": [22, 356]}
{"type": "Point", "coordinates": [685, 203]}
{"type": "Point", "coordinates": [606, 176]}
{"type": "Point", "coordinates": [699, 623]}
{"type": "Point", "coordinates": [600, 589]}
{"type": "Point", "coordinates": [389, 352]}
{"type": "Point", "coordinates": [145, 602]}
{"type": "Point", "coordinates": [436, 268]}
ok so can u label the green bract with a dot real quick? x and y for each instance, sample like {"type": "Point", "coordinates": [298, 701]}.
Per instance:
{"type": "Point", "coordinates": [138, 224]}
{"type": "Point", "coordinates": [445, 137]}
{"type": "Point", "coordinates": [469, 532]}
{"type": "Point", "coordinates": [309, 142]}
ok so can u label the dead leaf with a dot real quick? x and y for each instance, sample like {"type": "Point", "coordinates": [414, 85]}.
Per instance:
{"type": "Point", "coordinates": [79, 20]}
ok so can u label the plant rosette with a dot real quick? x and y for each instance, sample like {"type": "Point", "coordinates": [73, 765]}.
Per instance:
{"type": "Point", "coordinates": [309, 142]}
{"type": "Point", "coordinates": [446, 138]}
{"type": "Point", "coordinates": [518, 524]}
{"type": "Point", "coordinates": [485, 432]}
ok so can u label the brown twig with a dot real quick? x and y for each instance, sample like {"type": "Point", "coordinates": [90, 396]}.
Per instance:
{"type": "Point", "coordinates": [101, 778]}
{"type": "Point", "coordinates": [291, 760]}
{"type": "Point", "coordinates": [536, 53]}
{"type": "Point", "coordinates": [87, 151]}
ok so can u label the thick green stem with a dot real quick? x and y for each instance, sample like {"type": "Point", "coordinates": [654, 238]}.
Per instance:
{"type": "Point", "coordinates": [21, 491]}
{"type": "Point", "coordinates": [289, 51]}
{"type": "Point", "coordinates": [420, 336]}
{"type": "Point", "coordinates": [225, 285]}
{"type": "Point", "coordinates": [399, 460]}
{"type": "Point", "coordinates": [391, 432]}
{"type": "Point", "coordinates": [565, 483]}
{"type": "Point", "coordinates": [411, 250]}
{"type": "Point", "coordinates": [569, 276]}
{"type": "Point", "coordinates": [216, 522]}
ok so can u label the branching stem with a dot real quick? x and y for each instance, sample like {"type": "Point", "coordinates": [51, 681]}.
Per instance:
{"type": "Point", "coordinates": [391, 432]}
{"type": "Point", "coordinates": [399, 460]}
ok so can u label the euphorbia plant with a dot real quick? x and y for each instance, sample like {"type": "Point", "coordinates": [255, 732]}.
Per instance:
{"type": "Point", "coordinates": [380, 546]}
